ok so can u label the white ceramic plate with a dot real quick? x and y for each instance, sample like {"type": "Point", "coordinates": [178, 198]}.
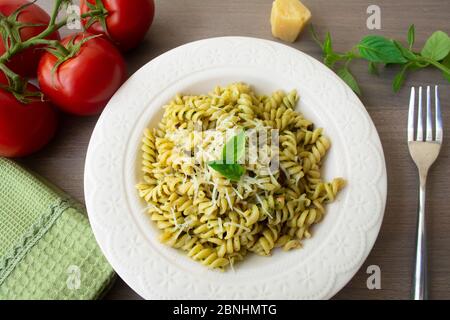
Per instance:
{"type": "Point", "coordinates": [340, 243]}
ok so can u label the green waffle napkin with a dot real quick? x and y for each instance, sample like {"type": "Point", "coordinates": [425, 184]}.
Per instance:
{"type": "Point", "coordinates": [47, 249]}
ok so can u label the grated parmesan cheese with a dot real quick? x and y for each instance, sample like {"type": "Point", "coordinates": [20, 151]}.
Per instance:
{"type": "Point", "coordinates": [237, 193]}
{"type": "Point", "coordinates": [272, 177]}
{"type": "Point", "coordinates": [152, 206]}
{"type": "Point", "coordinates": [285, 172]}
{"type": "Point", "coordinates": [239, 211]}
{"type": "Point", "coordinates": [214, 193]}
{"type": "Point", "coordinates": [174, 217]}
{"type": "Point", "coordinates": [228, 199]}
{"type": "Point", "coordinates": [195, 184]}
{"type": "Point", "coordinates": [231, 264]}
{"type": "Point", "coordinates": [262, 206]}
{"type": "Point", "coordinates": [219, 221]}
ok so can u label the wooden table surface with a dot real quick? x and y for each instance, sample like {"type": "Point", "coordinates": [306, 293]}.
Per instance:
{"type": "Point", "coordinates": [181, 21]}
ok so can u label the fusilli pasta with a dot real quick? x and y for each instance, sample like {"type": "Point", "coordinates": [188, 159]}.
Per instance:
{"type": "Point", "coordinates": [215, 220]}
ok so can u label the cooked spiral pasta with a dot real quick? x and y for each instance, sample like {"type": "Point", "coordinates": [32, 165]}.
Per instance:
{"type": "Point", "coordinates": [218, 221]}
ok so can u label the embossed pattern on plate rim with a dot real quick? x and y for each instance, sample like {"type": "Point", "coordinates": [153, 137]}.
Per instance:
{"type": "Point", "coordinates": [152, 276]}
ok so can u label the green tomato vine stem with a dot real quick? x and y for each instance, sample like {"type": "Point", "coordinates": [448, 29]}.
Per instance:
{"type": "Point", "coordinates": [14, 79]}
{"type": "Point", "coordinates": [16, 82]}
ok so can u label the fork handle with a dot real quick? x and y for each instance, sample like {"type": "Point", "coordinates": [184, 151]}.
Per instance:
{"type": "Point", "coordinates": [420, 285]}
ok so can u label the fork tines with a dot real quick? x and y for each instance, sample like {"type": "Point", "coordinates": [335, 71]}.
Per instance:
{"type": "Point", "coordinates": [429, 124]}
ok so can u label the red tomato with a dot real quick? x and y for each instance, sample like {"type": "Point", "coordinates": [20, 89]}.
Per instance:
{"type": "Point", "coordinates": [127, 21]}
{"type": "Point", "coordinates": [26, 62]}
{"type": "Point", "coordinates": [83, 84]}
{"type": "Point", "coordinates": [24, 128]}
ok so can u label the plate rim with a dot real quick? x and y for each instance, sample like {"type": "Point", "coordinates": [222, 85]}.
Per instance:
{"type": "Point", "coordinates": [88, 177]}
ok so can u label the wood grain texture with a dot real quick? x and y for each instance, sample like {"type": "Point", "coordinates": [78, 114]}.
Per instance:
{"type": "Point", "coordinates": [181, 21]}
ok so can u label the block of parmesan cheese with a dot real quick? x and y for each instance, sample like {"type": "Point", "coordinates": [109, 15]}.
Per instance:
{"type": "Point", "coordinates": [288, 19]}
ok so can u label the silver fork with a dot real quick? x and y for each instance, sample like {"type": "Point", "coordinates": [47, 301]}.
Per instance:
{"type": "Point", "coordinates": [424, 152]}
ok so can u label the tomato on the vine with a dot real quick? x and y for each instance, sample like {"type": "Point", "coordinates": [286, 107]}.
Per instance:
{"type": "Point", "coordinates": [24, 128]}
{"type": "Point", "coordinates": [26, 62]}
{"type": "Point", "coordinates": [84, 80]}
{"type": "Point", "coordinates": [126, 21]}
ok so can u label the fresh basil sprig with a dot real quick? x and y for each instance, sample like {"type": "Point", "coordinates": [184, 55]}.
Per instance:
{"type": "Point", "coordinates": [232, 152]}
{"type": "Point", "coordinates": [379, 50]}
{"type": "Point", "coordinates": [437, 46]}
{"type": "Point", "coordinates": [446, 63]}
{"type": "Point", "coordinates": [231, 171]}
